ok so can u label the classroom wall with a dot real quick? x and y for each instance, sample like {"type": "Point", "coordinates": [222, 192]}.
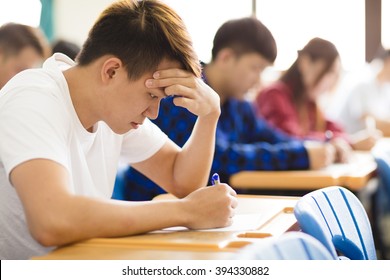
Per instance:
{"type": "Point", "coordinates": [74, 18]}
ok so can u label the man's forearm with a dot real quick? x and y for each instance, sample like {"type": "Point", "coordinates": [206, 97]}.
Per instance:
{"type": "Point", "coordinates": [91, 218]}
{"type": "Point", "coordinates": [193, 164]}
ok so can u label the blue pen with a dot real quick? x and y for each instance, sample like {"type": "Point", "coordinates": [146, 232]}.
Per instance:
{"type": "Point", "coordinates": [215, 179]}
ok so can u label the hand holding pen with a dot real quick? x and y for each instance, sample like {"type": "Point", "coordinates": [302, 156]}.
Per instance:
{"type": "Point", "coordinates": [211, 207]}
{"type": "Point", "coordinates": [342, 148]}
{"type": "Point", "coordinates": [215, 179]}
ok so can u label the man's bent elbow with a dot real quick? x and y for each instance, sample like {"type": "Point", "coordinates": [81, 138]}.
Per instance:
{"type": "Point", "coordinates": [183, 191]}
{"type": "Point", "coordinates": [51, 235]}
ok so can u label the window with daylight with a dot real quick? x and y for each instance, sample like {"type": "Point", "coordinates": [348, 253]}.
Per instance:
{"type": "Point", "coordinates": [20, 11]}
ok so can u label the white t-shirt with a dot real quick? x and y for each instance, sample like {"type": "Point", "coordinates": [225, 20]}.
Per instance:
{"type": "Point", "coordinates": [38, 120]}
{"type": "Point", "coordinates": [370, 98]}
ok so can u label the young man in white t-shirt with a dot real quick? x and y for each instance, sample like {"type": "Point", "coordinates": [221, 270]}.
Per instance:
{"type": "Point", "coordinates": [63, 129]}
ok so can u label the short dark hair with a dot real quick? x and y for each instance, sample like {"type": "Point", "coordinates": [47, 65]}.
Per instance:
{"type": "Point", "coordinates": [66, 47]}
{"type": "Point", "coordinates": [140, 34]}
{"type": "Point", "coordinates": [243, 36]}
{"type": "Point", "coordinates": [14, 37]}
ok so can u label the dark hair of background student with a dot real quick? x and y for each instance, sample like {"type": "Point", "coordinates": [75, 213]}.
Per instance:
{"type": "Point", "coordinates": [66, 47]}
{"type": "Point", "coordinates": [256, 38]}
{"type": "Point", "coordinates": [14, 37]}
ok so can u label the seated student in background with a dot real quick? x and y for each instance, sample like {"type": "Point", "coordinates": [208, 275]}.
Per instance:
{"type": "Point", "coordinates": [290, 104]}
{"type": "Point", "coordinates": [242, 49]}
{"type": "Point", "coordinates": [369, 101]}
{"type": "Point", "coordinates": [21, 47]}
{"type": "Point", "coordinates": [64, 127]}
{"type": "Point", "coordinates": [66, 47]}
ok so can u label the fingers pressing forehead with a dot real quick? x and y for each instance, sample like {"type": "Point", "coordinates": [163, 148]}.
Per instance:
{"type": "Point", "coordinates": [171, 73]}
{"type": "Point", "coordinates": [169, 77]}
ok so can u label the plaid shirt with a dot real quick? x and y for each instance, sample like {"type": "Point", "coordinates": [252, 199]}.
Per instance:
{"type": "Point", "coordinates": [243, 142]}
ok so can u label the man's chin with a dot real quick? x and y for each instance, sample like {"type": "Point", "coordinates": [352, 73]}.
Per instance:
{"type": "Point", "coordinates": [240, 96]}
{"type": "Point", "coordinates": [121, 131]}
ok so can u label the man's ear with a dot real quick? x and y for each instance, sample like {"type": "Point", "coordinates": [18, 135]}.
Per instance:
{"type": "Point", "coordinates": [225, 55]}
{"type": "Point", "coordinates": [110, 68]}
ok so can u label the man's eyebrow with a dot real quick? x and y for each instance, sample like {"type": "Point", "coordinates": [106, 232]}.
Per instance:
{"type": "Point", "coordinates": [161, 93]}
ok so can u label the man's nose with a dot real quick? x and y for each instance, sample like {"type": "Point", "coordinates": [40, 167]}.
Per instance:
{"type": "Point", "coordinates": [153, 109]}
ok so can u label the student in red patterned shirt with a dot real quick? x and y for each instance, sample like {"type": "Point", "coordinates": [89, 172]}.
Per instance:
{"type": "Point", "coordinates": [290, 104]}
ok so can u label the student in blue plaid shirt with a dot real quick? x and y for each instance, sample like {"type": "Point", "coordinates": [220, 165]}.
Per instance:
{"type": "Point", "coordinates": [242, 49]}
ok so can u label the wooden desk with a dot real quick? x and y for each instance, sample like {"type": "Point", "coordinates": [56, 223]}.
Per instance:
{"type": "Point", "coordinates": [354, 176]}
{"type": "Point", "coordinates": [276, 216]}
